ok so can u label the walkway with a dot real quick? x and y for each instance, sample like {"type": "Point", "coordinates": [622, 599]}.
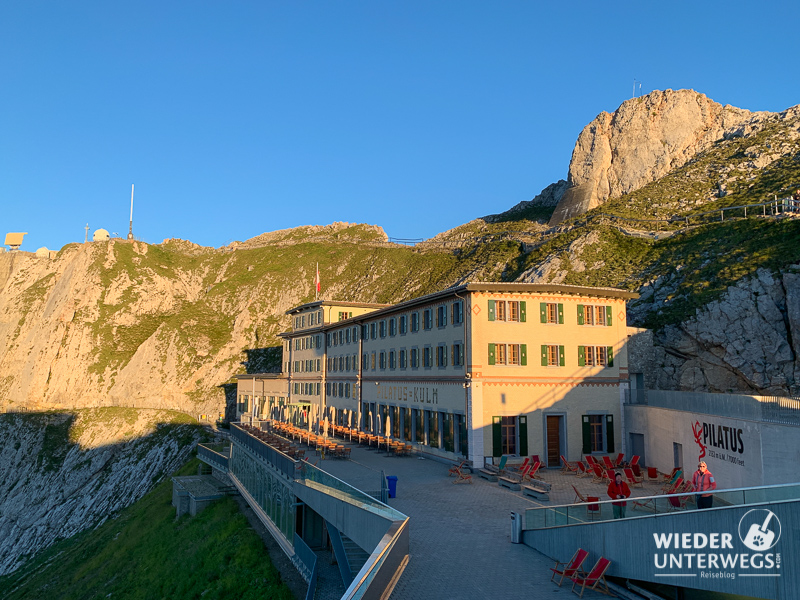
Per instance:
{"type": "Point", "coordinates": [460, 534]}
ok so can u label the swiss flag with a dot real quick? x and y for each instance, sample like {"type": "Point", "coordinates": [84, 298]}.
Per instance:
{"type": "Point", "coordinates": [316, 281]}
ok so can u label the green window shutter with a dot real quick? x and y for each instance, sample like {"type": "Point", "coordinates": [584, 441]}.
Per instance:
{"type": "Point", "coordinates": [491, 354]}
{"type": "Point", "coordinates": [543, 312]}
{"type": "Point", "coordinates": [611, 356]}
{"type": "Point", "coordinates": [560, 314]}
{"type": "Point", "coordinates": [561, 361]}
{"type": "Point", "coordinates": [491, 310]}
{"type": "Point", "coordinates": [544, 356]}
{"type": "Point", "coordinates": [522, 316]}
{"type": "Point", "coordinates": [523, 354]}
{"type": "Point", "coordinates": [609, 433]}
{"type": "Point", "coordinates": [587, 435]}
{"type": "Point", "coordinates": [608, 316]}
{"type": "Point", "coordinates": [497, 445]}
{"type": "Point", "coordinates": [581, 319]}
{"type": "Point", "coordinates": [523, 436]}
{"type": "Point", "coordinates": [581, 356]}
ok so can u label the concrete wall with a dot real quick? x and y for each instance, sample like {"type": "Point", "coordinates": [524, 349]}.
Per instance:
{"type": "Point", "coordinates": [630, 546]}
{"type": "Point", "coordinates": [768, 453]}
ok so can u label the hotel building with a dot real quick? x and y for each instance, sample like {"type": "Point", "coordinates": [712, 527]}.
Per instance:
{"type": "Point", "coordinates": [474, 371]}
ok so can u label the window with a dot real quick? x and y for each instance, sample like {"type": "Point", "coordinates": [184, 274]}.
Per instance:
{"type": "Point", "coordinates": [500, 310]}
{"type": "Point", "coordinates": [347, 363]}
{"type": "Point", "coordinates": [341, 337]}
{"type": "Point", "coordinates": [414, 358]}
{"type": "Point", "coordinates": [365, 332]}
{"type": "Point", "coordinates": [551, 312]}
{"type": "Point", "coordinates": [392, 327]}
{"type": "Point", "coordinates": [513, 311]}
{"type": "Point", "coordinates": [589, 314]}
{"type": "Point", "coordinates": [355, 334]}
{"type": "Point", "coordinates": [508, 354]}
{"type": "Point", "coordinates": [335, 339]}
{"type": "Point", "coordinates": [345, 315]}
{"type": "Point", "coordinates": [596, 432]}
{"type": "Point", "coordinates": [427, 357]}
{"type": "Point", "coordinates": [403, 324]}
{"type": "Point", "coordinates": [341, 363]}
{"type": "Point", "coordinates": [441, 356]}
{"type": "Point", "coordinates": [441, 316]}
{"type": "Point", "coordinates": [414, 322]}
{"type": "Point", "coordinates": [553, 356]}
{"type": "Point", "coordinates": [508, 435]}
{"type": "Point", "coordinates": [432, 418]}
{"type": "Point", "coordinates": [382, 360]}
{"type": "Point", "coordinates": [457, 355]}
{"type": "Point", "coordinates": [403, 363]}
{"type": "Point", "coordinates": [457, 313]}
{"type": "Point", "coordinates": [365, 361]}
{"type": "Point", "coordinates": [427, 316]}
{"type": "Point", "coordinates": [347, 335]}
{"type": "Point", "coordinates": [595, 356]}
{"type": "Point", "coordinates": [383, 329]}
{"type": "Point", "coordinates": [506, 310]}
{"type": "Point", "coordinates": [373, 331]}
{"type": "Point", "coordinates": [392, 359]}
{"type": "Point", "coordinates": [372, 361]}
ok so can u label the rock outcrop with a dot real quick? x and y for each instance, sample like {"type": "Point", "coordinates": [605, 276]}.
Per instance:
{"type": "Point", "coordinates": [747, 341]}
{"type": "Point", "coordinates": [643, 140]}
{"type": "Point", "coordinates": [61, 473]}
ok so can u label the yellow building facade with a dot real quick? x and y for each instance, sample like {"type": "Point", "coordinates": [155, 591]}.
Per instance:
{"type": "Point", "coordinates": [475, 371]}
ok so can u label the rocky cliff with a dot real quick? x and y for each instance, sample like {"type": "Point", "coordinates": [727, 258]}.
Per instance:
{"type": "Point", "coordinates": [166, 326]}
{"type": "Point", "coordinates": [643, 140]}
{"type": "Point", "coordinates": [63, 472]}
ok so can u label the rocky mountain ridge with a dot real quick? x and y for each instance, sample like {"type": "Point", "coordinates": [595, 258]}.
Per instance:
{"type": "Point", "coordinates": [63, 472]}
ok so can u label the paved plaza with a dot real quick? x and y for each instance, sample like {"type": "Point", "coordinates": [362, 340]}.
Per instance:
{"type": "Point", "coordinates": [460, 535]}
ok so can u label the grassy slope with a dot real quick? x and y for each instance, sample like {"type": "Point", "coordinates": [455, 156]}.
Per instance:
{"type": "Point", "coordinates": [145, 553]}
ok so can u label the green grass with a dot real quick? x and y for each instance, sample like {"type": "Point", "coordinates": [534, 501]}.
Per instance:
{"type": "Point", "coordinates": [145, 553]}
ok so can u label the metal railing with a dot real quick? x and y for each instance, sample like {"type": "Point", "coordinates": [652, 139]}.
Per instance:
{"type": "Point", "coordinates": [597, 511]}
{"type": "Point", "coordinates": [315, 477]}
{"type": "Point", "coordinates": [278, 460]}
{"type": "Point", "coordinates": [380, 573]}
{"type": "Point", "coordinates": [211, 457]}
{"type": "Point", "coordinates": [307, 566]}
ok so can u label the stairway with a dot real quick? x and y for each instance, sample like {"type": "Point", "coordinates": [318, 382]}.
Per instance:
{"type": "Point", "coordinates": [356, 557]}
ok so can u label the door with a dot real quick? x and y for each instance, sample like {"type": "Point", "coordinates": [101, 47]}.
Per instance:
{"type": "Point", "coordinates": [677, 454]}
{"type": "Point", "coordinates": [637, 447]}
{"type": "Point", "coordinates": [554, 437]}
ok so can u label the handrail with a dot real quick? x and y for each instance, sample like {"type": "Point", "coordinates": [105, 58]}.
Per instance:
{"type": "Point", "coordinates": [212, 455]}
{"type": "Point", "coordinates": [640, 499]}
{"type": "Point", "coordinates": [282, 462]}
{"type": "Point", "coordinates": [384, 565]}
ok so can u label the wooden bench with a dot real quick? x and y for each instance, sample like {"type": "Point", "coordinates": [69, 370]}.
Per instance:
{"type": "Point", "coordinates": [487, 474]}
{"type": "Point", "coordinates": [511, 484]}
{"type": "Point", "coordinates": [537, 489]}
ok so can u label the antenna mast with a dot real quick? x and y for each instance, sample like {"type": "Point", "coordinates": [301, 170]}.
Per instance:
{"type": "Point", "coordinates": [130, 225]}
{"type": "Point", "coordinates": [86, 239]}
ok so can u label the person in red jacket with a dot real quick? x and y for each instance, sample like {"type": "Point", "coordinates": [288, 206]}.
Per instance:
{"type": "Point", "coordinates": [703, 481]}
{"type": "Point", "coordinates": [617, 490]}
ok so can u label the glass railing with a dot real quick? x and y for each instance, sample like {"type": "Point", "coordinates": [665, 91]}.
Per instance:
{"type": "Point", "coordinates": [212, 456]}
{"type": "Point", "coordinates": [596, 510]}
{"type": "Point", "coordinates": [280, 461]}
{"type": "Point", "coordinates": [381, 569]}
{"type": "Point", "coordinates": [315, 477]}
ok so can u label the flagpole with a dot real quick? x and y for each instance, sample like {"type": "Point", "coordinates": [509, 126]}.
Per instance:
{"type": "Point", "coordinates": [316, 285]}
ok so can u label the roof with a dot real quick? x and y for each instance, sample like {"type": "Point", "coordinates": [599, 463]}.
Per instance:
{"type": "Point", "coordinates": [260, 376]}
{"type": "Point", "coordinates": [318, 303]}
{"type": "Point", "coordinates": [478, 286]}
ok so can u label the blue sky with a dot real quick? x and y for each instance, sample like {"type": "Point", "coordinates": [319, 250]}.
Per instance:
{"type": "Point", "coordinates": [236, 118]}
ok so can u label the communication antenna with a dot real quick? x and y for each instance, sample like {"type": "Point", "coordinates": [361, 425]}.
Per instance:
{"type": "Point", "coordinates": [86, 239]}
{"type": "Point", "coordinates": [130, 226]}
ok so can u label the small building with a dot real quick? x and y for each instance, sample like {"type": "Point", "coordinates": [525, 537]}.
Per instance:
{"type": "Point", "coordinates": [101, 235]}
{"type": "Point", "coordinates": [474, 371]}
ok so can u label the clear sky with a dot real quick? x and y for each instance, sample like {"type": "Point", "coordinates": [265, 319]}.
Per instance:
{"type": "Point", "coordinates": [236, 118]}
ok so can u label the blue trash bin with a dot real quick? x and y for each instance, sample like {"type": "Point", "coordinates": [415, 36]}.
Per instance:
{"type": "Point", "coordinates": [392, 481]}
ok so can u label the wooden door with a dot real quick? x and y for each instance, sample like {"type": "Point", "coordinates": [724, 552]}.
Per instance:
{"type": "Point", "coordinates": [553, 440]}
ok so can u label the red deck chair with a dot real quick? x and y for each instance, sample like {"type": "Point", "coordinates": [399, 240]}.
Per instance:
{"type": "Point", "coordinates": [571, 568]}
{"type": "Point", "coordinates": [599, 474]}
{"type": "Point", "coordinates": [582, 470]}
{"type": "Point", "coordinates": [531, 472]}
{"type": "Point", "coordinates": [607, 463]}
{"type": "Point", "coordinates": [632, 479]}
{"type": "Point", "coordinates": [652, 474]}
{"type": "Point", "coordinates": [679, 502]}
{"type": "Point", "coordinates": [595, 580]}
{"type": "Point", "coordinates": [590, 460]}
{"type": "Point", "coordinates": [637, 470]}
{"type": "Point", "coordinates": [568, 467]}
{"type": "Point", "coordinates": [456, 469]}
{"type": "Point", "coordinates": [619, 459]}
